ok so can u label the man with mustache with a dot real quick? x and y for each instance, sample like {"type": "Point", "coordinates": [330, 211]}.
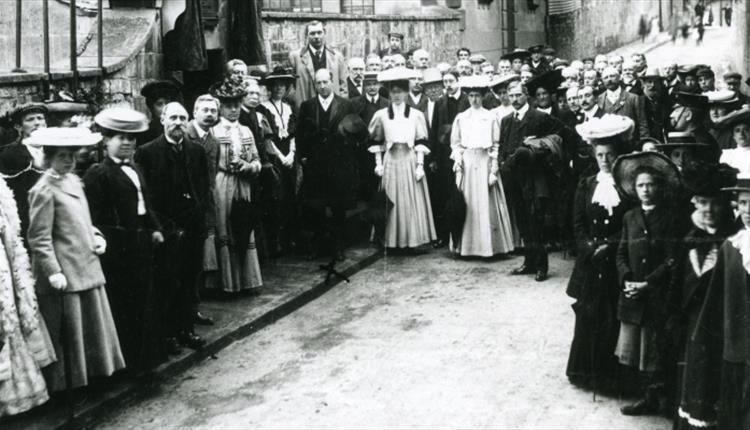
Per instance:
{"type": "Point", "coordinates": [616, 100]}
{"type": "Point", "coordinates": [176, 171]}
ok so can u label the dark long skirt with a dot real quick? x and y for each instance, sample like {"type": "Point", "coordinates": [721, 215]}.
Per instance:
{"type": "Point", "coordinates": [592, 361]}
{"type": "Point", "coordinates": [734, 408]}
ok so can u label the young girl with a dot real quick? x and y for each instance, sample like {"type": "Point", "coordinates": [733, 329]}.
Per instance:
{"type": "Point", "coordinates": [475, 139]}
{"type": "Point", "coordinates": [644, 264]}
{"type": "Point", "coordinates": [65, 249]}
{"type": "Point", "coordinates": [399, 160]}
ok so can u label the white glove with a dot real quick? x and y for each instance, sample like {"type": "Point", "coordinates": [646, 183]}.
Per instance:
{"type": "Point", "coordinates": [58, 281]}
{"type": "Point", "coordinates": [100, 245]}
{"type": "Point", "coordinates": [459, 178]}
{"type": "Point", "coordinates": [419, 172]}
{"type": "Point", "coordinates": [379, 170]}
{"type": "Point", "coordinates": [288, 160]}
{"type": "Point", "coordinates": [493, 179]}
{"type": "Point", "coordinates": [458, 166]}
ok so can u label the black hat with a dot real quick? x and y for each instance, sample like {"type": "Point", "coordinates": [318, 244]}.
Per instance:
{"type": "Point", "coordinates": [732, 75]}
{"type": "Point", "coordinates": [16, 115]}
{"type": "Point", "coordinates": [549, 51]}
{"type": "Point", "coordinates": [517, 53]}
{"type": "Point", "coordinates": [280, 74]}
{"type": "Point", "coordinates": [683, 139]}
{"type": "Point", "coordinates": [705, 72]}
{"type": "Point", "coordinates": [156, 89]}
{"type": "Point", "coordinates": [396, 34]}
{"type": "Point", "coordinates": [353, 128]}
{"type": "Point", "coordinates": [590, 59]}
{"type": "Point", "coordinates": [691, 100]}
{"type": "Point", "coordinates": [708, 180]}
{"type": "Point", "coordinates": [743, 184]}
{"type": "Point", "coordinates": [687, 70]}
{"type": "Point", "coordinates": [536, 49]}
{"type": "Point", "coordinates": [228, 89]}
{"type": "Point", "coordinates": [549, 80]}
{"type": "Point", "coordinates": [626, 166]}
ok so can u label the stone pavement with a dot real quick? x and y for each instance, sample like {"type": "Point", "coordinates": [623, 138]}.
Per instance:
{"type": "Point", "coordinates": [289, 283]}
{"type": "Point", "coordinates": [423, 341]}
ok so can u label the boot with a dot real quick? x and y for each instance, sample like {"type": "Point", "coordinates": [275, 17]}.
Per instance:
{"type": "Point", "coordinates": [649, 405]}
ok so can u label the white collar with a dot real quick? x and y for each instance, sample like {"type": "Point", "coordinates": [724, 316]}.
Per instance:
{"type": "Point", "coordinates": [399, 108]}
{"type": "Point", "coordinates": [373, 99]}
{"type": "Point", "coordinates": [456, 95]}
{"type": "Point", "coordinates": [741, 242]}
{"type": "Point", "coordinates": [325, 102]}
{"type": "Point", "coordinates": [614, 94]}
{"type": "Point", "coordinates": [522, 112]}
{"type": "Point", "coordinates": [416, 98]}
{"type": "Point", "coordinates": [171, 141]}
{"type": "Point", "coordinates": [548, 110]}
{"type": "Point", "coordinates": [201, 132]}
{"type": "Point", "coordinates": [647, 208]}
{"type": "Point", "coordinates": [591, 112]}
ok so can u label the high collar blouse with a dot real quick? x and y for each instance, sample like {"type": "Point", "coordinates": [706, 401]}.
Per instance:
{"type": "Point", "coordinates": [399, 128]}
{"type": "Point", "coordinates": [475, 129]}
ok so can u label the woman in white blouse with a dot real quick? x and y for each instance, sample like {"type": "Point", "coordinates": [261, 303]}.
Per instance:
{"type": "Point", "coordinates": [738, 123]}
{"type": "Point", "coordinates": [474, 142]}
{"type": "Point", "coordinates": [399, 160]}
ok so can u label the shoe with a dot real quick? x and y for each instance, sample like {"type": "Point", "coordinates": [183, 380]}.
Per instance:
{"type": "Point", "coordinates": [646, 406]}
{"type": "Point", "coordinates": [523, 270]}
{"type": "Point", "coordinates": [201, 319]}
{"type": "Point", "coordinates": [541, 275]}
{"type": "Point", "coordinates": [173, 347]}
{"type": "Point", "coordinates": [191, 340]}
{"type": "Point", "coordinates": [440, 243]}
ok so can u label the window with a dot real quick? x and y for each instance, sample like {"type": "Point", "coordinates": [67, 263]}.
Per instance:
{"type": "Point", "coordinates": [294, 5]}
{"type": "Point", "coordinates": [358, 7]}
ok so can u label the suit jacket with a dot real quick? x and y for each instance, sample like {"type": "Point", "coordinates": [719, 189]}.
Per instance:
{"type": "Point", "coordinates": [534, 123]}
{"type": "Point", "coordinates": [210, 145]}
{"type": "Point", "coordinates": [657, 115]}
{"type": "Point", "coordinates": [635, 87]}
{"type": "Point", "coordinates": [366, 109]}
{"type": "Point", "coordinates": [631, 106]}
{"type": "Point", "coordinates": [352, 89]}
{"type": "Point", "coordinates": [542, 67]}
{"type": "Point", "coordinates": [421, 106]}
{"type": "Point", "coordinates": [302, 64]}
{"type": "Point", "coordinates": [645, 254]}
{"type": "Point", "coordinates": [61, 235]}
{"type": "Point", "coordinates": [16, 161]}
{"type": "Point", "coordinates": [442, 117]}
{"type": "Point", "coordinates": [329, 167]}
{"type": "Point", "coordinates": [159, 165]}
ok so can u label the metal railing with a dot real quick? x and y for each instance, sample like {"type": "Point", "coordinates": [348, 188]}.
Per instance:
{"type": "Point", "coordinates": [73, 40]}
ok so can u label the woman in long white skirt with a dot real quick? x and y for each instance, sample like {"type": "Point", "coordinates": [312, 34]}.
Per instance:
{"type": "Point", "coordinates": [474, 142]}
{"type": "Point", "coordinates": [399, 160]}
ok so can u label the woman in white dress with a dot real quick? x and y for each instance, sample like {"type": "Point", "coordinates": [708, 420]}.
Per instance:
{"type": "Point", "coordinates": [475, 139]}
{"type": "Point", "coordinates": [399, 160]}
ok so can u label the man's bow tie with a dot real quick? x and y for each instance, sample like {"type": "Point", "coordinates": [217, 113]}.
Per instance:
{"type": "Point", "coordinates": [124, 163]}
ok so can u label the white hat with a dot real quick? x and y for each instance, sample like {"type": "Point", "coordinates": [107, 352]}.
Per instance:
{"type": "Point", "coordinates": [398, 74]}
{"type": "Point", "coordinates": [607, 126]}
{"type": "Point", "coordinates": [63, 137]}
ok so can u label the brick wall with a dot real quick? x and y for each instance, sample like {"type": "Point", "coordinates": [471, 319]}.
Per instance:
{"type": "Point", "coordinates": [360, 35]}
{"type": "Point", "coordinates": [608, 25]}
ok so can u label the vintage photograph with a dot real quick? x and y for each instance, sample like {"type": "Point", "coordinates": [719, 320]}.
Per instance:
{"type": "Point", "coordinates": [374, 214]}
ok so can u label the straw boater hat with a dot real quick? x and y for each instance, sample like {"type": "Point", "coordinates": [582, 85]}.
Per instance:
{"type": "Point", "coordinates": [228, 89]}
{"type": "Point", "coordinates": [431, 76]}
{"type": "Point", "coordinates": [477, 59]}
{"type": "Point", "coordinates": [734, 118]}
{"type": "Point", "coordinates": [474, 83]}
{"type": "Point", "coordinates": [607, 129]}
{"type": "Point", "coordinates": [397, 74]}
{"type": "Point", "coordinates": [743, 184]}
{"type": "Point", "coordinates": [122, 119]}
{"type": "Point", "coordinates": [721, 97]}
{"type": "Point", "coordinates": [503, 81]}
{"type": "Point", "coordinates": [626, 166]}
{"type": "Point", "coordinates": [682, 139]}
{"type": "Point", "coordinates": [63, 137]}
{"type": "Point", "coordinates": [652, 72]}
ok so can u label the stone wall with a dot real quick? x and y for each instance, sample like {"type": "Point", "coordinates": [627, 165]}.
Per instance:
{"type": "Point", "coordinates": [740, 23]}
{"type": "Point", "coordinates": [600, 26]}
{"type": "Point", "coordinates": [360, 35]}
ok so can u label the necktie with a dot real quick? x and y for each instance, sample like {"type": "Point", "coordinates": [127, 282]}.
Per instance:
{"type": "Point", "coordinates": [517, 116]}
{"type": "Point", "coordinates": [177, 147]}
{"type": "Point", "coordinates": [124, 163]}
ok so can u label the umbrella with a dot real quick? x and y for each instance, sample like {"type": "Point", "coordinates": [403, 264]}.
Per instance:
{"type": "Point", "coordinates": [455, 212]}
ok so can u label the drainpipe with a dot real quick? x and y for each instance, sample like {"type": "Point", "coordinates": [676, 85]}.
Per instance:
{"type": "Point", "coordinates": [18, 68]}
{"type": "Point", "coordinates": [73, 48]}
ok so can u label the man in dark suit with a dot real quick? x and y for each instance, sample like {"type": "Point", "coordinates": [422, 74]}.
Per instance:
{"type": "Point", "coordinates": [366, 105]}
{"type": "Point", "coordinates": [328, 162]}
{"type": "Point", "coordinates": [539, 64]}
{"type": "Point", "coordinates": [176, 172]}
{"type": "Point", "coordinates": [355, 80]}
{"type": "Point", "coordinates": [527, 173]}
{"type": "Point", "coordinates": [658, 104]}
{"type": "Point", "coordinates": [416, 98]}
{"type": "Point", "coordinates": [445, 111]}
{"type": "Point", "coordinates": [616, 100]}
{"type": "Point", "coordinates": [17, 162]}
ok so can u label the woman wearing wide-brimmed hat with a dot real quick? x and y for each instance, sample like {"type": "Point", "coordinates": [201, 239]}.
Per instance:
{"type": "Point", "coordinates": [475, 136]}
{"type": "Point", "coordinates": [25, 346]}
{"type": "Point", "coordinates": [718, 397]}
{"type": "Point", "coordinates": [236, 216]}
{"type": "Point", "coordinates": [737, 124]}
{"type": "Point", "coordinates": [121, 209]}
{"type": "Point", "coordinates": [280, 234]}
{"type": "Point", "coordinates": [65, 249]}
{"type": "Point", "coordinates": [399, 160]}
{"type": "Point", "coordinates": [644, 262]}
{"type": "Point", "coordinates": [712, 221]}
{"type": "Point", "coordinates": [597, 219]}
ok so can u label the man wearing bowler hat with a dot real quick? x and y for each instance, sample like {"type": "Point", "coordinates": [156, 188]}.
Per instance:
{"type": "Point", "coordinates": [23, 164]}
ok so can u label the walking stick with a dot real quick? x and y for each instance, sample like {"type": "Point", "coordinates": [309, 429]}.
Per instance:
{"type": "Point", "coordinates": [67, 366]}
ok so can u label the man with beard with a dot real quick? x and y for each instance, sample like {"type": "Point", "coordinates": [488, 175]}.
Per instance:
{"type": "Point", "coordinates": [630, 82]}
{"type": "Point", "coordinates": [23, 164]}
{"type": "Point", "coordinates": [691, 115]}
{"type": "Point", "coordinates": [354, 81]}
{"type": "Point", "coordinates": [616, 100]}
{"type": "Point", "coordinates": [176, 172]}
{"type": "Point", "coordinates": [329, 164]}
{"type": "Point", "coordinates": [527, 172]}
{"type": "Point", "coordinates": [657, 103]}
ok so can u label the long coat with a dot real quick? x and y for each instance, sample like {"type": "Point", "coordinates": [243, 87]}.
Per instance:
{"type": "Point", "coordinates": [302, 65]}
{"type": "Point", "coordinates": [211, 145]}
{"type": "Point", "coordinates": [631, 106]}
{"type": "Point", "coordinates": [352, 90]}
{"type": "Point", "coordinates": [365, 162]}
{"type": "Point", "coordinates": [330, 170]}
{"type": "Point", "coordinates": [646, 254]}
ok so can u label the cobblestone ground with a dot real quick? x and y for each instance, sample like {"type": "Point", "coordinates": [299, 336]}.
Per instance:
{"type": "Point", "coordinates": [413, 342]}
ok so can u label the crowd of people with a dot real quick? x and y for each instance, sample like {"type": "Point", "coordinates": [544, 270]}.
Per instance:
{"type": "Point", "coordinates": [642, 174]}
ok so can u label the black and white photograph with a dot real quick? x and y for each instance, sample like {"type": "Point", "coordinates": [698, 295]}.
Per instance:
{"type": "Point", "coordinates": [374, 214]}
